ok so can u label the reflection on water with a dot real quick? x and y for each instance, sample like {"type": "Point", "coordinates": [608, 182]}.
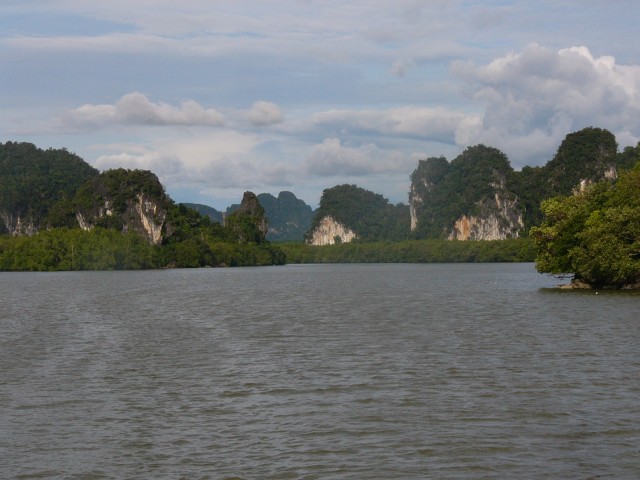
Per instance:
{"type": "Point", "coordinates": [324, 371]}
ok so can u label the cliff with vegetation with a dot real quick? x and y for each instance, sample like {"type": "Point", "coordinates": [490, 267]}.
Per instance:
{"type": "Point", "coordinates": [289, 217]}
{"type": "Point", "coordinates": [347, 212]}
{"type": "Point", "coordinates": [471, 198]}
{"type": "Point", "coordinates": [478, 195]}
{"type": "Point", "coordinates": [207, 211]}
{"type": "Point", "coordinates": [118, 219]}
{"type": "Point", "coordinates": [33, 181]}
{"type": "Point", "coordinates": [125, 200]}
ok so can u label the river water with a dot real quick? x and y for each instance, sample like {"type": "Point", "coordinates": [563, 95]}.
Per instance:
{"type": "Point", "coordinates": [317, 372]}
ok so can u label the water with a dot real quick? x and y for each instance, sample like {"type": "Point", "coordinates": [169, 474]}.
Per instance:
{"type": "Point", "coordinates": [317, 372]}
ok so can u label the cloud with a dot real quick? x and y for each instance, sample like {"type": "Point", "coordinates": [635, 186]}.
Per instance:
{"type": "Point", "coordinates": [136, 109]}
{"type": "Point", "coordinates": [439, 124]}
{"type": "Point", "coordinates": [264, 113]}
{"type": "Point", "coordinates": [331, 159]}
{"type": "Point", "coordinates": [160, 164]}
{"type": "Point", "coordinates": [532, 99]}
{"type": "Point", "coordinates": [401, 67]}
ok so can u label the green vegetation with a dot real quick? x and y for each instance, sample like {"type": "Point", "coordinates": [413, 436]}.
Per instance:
{"type": "Point", "coordinates": [289, 218]}
{"type": "Point", "coordinates": [368, 214]}
{"type": "Point", "coordinates": [467, 184]}
{"type": "Point", "coordinates": [207, 211]}
{"type": "Point", "coordinates": [412, 251]}
{"type": "Point", "coordinates": [127, 220]}
{"type": "Point", "coordinates": [107, 249]}
{"type": "Point", "coordinates": [594, 235]}
{"type": "Point", "coordinates": [76, 249]}
{"type": "Point", "coordinates": [32, 181]}
{"type": "Point", "coordinates": [449, 190]}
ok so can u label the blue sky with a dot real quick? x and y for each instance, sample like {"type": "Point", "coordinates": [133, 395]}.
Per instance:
{"type": "Point", "coordinates": [219, 97]}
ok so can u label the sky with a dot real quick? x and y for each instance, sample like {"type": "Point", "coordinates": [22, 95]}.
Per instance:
{"type": "Point", "coordinates": [220, 97]}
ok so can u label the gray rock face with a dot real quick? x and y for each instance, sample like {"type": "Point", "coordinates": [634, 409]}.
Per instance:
{"type": "Point", "coordinates": [329, 232]}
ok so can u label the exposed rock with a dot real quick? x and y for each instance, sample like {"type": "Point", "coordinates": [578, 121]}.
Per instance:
{"type": "Point", "coordinates": [16, 226]}
{"type": "Point", "coordinates": [576, 284]}
{"type": "Point", "coordinates": [610, 173]}
{"type": "Point", "coordinates": [142, 215]}
{"type": "Point", "coordinates": [500, 219]}
{"type": "Point", "coordinates": [146, 218]}
{"type": "Point", "coordinates": [415, 202]}
{"type": "Point", "coordinates": [328, 231]}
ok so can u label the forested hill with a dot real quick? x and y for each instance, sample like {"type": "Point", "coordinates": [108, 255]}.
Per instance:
{"type": "Point", "coordinates": [61, 214]}
{"type": "Point", "coordinates": [288, 217]}
{"type": "Point", "coordinates": [478, 195]}
{"type": "Point", "coordinates": [33, 180]}
{"type": "Point", "coordinates": [207, 211]}
{"type": "Point", "coordinates": [348, 210]}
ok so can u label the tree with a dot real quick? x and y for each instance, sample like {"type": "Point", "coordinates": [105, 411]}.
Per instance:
{"type": "Point", "coordinates": [594, 234]}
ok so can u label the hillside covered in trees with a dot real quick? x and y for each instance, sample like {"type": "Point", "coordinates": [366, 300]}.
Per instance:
{"type": "Point", "coordinates": [118, 219]}
{"type": "Point", "coordinates": [480, 185]}
{"type": "Point", "coordinates": [476, 196]}
{"type": "Point", "coordinates": [56, 211]}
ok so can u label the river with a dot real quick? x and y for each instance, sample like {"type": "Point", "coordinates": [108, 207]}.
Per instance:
{"type": "Point", "coordinates": [464, 371]}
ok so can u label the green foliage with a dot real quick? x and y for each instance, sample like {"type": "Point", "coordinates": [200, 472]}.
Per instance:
{"type": "Point", "coordinates": [628, 158]}
{"type": "Point", "coordinates": [213, 214]}
{"type": "Point", "coordinates": [594, 234]}
{"type": "Point", "coordinates": [368, 214]}
{"type": "Point", "coordinates": [244, 228]}
{"type": "Point", "coordinates": [412, 251]}
{"type": "Point", "coordinates": [585, 154]}
{"type": "Point", "coordinates": [450, 190]}
{"type": "Point", "coordinates": [289, 218]}
{"type": "Point", "coordinates": [32, 180]}
{"type": "Point", "coordinates": [189, 239]}
{"type": "Point", "coordinates": [76, 249]}
{"type": "Point", "coordinates": [117, 188]}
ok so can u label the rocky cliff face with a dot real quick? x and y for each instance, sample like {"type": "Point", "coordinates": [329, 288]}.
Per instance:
{"type": "Point", "coordinates": [468, 199]}
{"type": "Point", "coordinates": [500, 219]}
{"type": "Point", "coordinates": [329, 232]}
{"type": "Point", "coordinates": [16, 225]}
{"type": "Point", "coordinates": [142, 215]}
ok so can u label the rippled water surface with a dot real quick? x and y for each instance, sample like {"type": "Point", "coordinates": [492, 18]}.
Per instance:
{"type": "Point", "coordinates": [322, 371]}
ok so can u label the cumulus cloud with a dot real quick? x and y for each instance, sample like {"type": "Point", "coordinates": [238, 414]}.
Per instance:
{"type": "Point", "coordinates": [264, 113]}
{"type": "Point", "coordinates": [135, 108]}
{"type": "Point", "coordinates": [411, 122]}
{"type": "Point", "coordinates": [160, 164]}
{"type": "Point", "coordinates": [532, 99]}
{"type": "Point", "coordinates": [332, 158]}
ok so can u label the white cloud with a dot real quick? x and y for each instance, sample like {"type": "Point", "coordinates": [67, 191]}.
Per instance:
{"type": "Point", "coordinates": [332, 159]}
{"type": "Point", "coordinates": [410, 122]}
{"type": "Point", "coordinates": [135, 108]}
{"type": "Point", "coordinates": [264, 113]}
{"type": "Point", "coordinates": [532, 99]}
{"type": "Point", "coordinates": [162, 165]}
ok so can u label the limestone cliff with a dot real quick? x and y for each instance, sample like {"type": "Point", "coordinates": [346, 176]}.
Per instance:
{"type": "Point", "coordinates": [470, 198]}
{"type": "Point", "coordinates": [328, 231]}
{"type": "Point", "coordinates": [127, 200]}
{"type": "Point", "coordinates": [347, 212]}
{"type": "Point", "coordinates": [142, 214]}
{"type": "Point", "coordinates": [500, 219]}
{"type": "Point", "coordinates": [15, 225]}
